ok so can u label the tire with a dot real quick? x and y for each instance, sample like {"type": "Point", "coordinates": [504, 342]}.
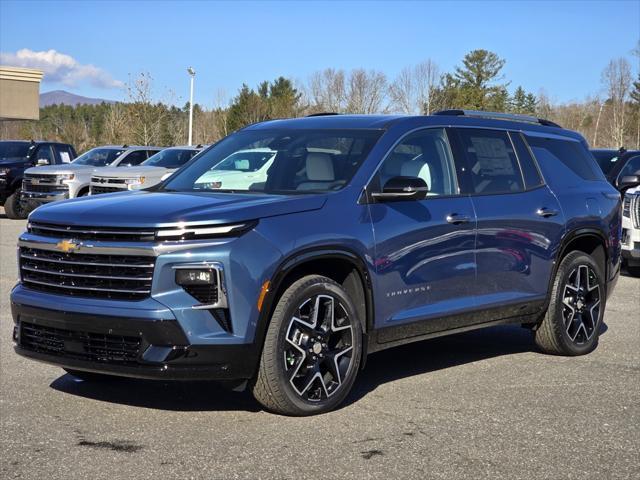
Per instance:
{"type": "Point", "coordinates": [571, 325]}
{"type": "Point", "coordinates": [331, 359]}
{"type": "Point", "coordinates": [633, 271]}
{"type": "Point", "coordinates": [13, 207]}
{"type": "Point", "coordinates": [90, 376]}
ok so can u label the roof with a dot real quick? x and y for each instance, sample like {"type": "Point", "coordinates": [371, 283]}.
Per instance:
{"type": "Point", "coordinates": [330, 122]}
{"type": "Point", "coordinates": [383, 122]}
{"type": "Point", "coordinates": [35, 142]}
{"type": "Point", "coordinates": [21, 74]}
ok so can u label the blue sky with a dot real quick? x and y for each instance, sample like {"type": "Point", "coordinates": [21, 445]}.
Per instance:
{"type": "Point", "coordinates": [559, 46]}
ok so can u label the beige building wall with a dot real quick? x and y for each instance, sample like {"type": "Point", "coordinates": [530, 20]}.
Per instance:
{"type": "Point", "coordinates": [19, 93]}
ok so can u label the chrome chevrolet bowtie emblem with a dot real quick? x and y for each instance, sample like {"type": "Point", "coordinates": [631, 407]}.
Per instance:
{"type": "Point", "coordinates": [67, 246]}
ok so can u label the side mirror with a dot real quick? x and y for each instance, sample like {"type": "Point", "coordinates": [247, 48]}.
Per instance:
{"type": "Point", "coordinates": [402, 188]}
{"type": "Point", "coordinates": [628, 181]}
{"type": "Point", "coordinates": [41, 162]}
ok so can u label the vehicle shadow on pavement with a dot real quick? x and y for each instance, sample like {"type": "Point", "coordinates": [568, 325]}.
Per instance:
{"type": "Point", "coordinates": [442, 353]}
{"type": "Point", "coordinates": [175, 396]}
{"type": "Point", "coordinates": [382, 367]}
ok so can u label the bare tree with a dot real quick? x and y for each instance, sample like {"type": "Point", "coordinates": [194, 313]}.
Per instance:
{"type": "Point", "coordinates": [616, 78]}
{"type": "Point", "coordinates": [327, 91]}
{"type": "Point", "coordinates": [412, 90]}
{"type": "Point", "coordinates": [144, 117]}
{"type": "Point", "coordinates": [366, 91]}
{"type": "Point", "coordinates": [115, 124]}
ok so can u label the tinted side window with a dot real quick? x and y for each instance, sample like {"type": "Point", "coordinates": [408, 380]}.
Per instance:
{"type": "Point", "coordinates": [632, 167]}
{"type": "Point", "coordinates": [134, 158]}
{"type": "Point", "coordinates": [44, 153]}
{"type": "Point", "coordinates": [64, 153]}
{"type": "Point", "coordinates": [569, 153]}
{"type": "Point", "coordinates": [530, 172]}
{"type": "Point", "coordinates": [493, 166]}
{"type": "Point", "coordinates": [424, 154]}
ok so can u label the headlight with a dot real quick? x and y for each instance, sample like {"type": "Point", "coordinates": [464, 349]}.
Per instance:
{"type": "Point", "coordinates": [66, 176]}
{"type": "Point", "coordinates": [134, 181]}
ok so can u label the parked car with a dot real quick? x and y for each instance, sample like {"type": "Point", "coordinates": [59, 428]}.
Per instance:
{"type": "Point", "coordinates": [620, 166]}
{"type": "Point", "coordinates": [239, 171]}
{"type": "Point", "coordinates": [415, 227]}
{"type": "Point", "coordinates": [60, 182]}
{"type": "Point", "coordinates": [617, 163]}
{"type": "Point", "coordinates": [150, 172]}
{"type": "Point", "coordinates": [18, 155]}
{"type": "Point", "coordinates": [631, 231]}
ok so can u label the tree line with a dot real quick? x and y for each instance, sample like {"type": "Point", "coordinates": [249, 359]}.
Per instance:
{"type": "Point", "coordinates": [608, 119]}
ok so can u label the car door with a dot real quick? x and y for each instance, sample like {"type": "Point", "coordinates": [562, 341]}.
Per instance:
{"type": "Point", "coordinates": [424, 249]}
{"type": "Point", "coordinates": [519, 222]}
{"type": "Point", "coordinates": [44, 154]}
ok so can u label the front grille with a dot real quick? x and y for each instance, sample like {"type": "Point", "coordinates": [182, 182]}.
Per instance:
{"type": "Point", "coordinates": [96, 347]}
{"type": "Point", "coordinates": [631, 208]}
{"type": "Point", "coordinates": [626, 206]}
{"type": "Point", "coordinates": [95, 190]}
{"type": "Point", "coordinates": [119, 277]}
{"type": "Point", "coordinates": [41, 176]}
{"type": "Point", "coordinates": [92, 233]}
{"type": "Point", "coordinates": [29, 187]}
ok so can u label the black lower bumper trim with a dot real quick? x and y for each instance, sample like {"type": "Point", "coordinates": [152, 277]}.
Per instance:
{"type": "Point", "coordinates": [164, 351]}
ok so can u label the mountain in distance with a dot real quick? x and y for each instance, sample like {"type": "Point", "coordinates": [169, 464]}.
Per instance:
{"type": "Point", "coordinates": [57, 97]}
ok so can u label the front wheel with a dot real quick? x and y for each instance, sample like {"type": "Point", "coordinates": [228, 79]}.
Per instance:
{"type": "Point", "coordinates": [312, 349]}
{"type": "Point", "coordinates": [571, 325]}
{"type": "Point", "coordinates": [14, 208]}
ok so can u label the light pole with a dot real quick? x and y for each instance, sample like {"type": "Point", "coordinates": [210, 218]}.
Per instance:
{"type": "Point", "coordinates": [192, 74]}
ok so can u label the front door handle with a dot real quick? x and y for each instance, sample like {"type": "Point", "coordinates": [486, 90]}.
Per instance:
{"type": "Point", "coordinates": [455, 219]}
{"type": "Point", "coordinates": [546, 212]}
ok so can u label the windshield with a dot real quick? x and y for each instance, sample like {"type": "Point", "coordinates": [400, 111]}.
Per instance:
{"type": "Point", "coordinates": [98, 157]}
{"type": "Point", "coordinates": [246, 161]}
{"type": "Point", "coordinates": [606, 160]}
{"type": "Point", "coordinates": [14, 150]}
{"type": "Point", "coordinates": [170, 158]}
{"type": "Point", "coordinates": [278, 162]}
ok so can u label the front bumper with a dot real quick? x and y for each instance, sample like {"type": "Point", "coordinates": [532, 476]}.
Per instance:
{"type": "Point", "coordinates": [45, 197]}
{"type": "Point", "coordinates": [129, 347]}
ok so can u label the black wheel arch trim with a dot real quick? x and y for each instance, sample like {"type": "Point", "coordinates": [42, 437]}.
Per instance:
{"type": "Point", "coordinates": [562, 251]}
{"type": "Point", "coordinates": [311, 254]}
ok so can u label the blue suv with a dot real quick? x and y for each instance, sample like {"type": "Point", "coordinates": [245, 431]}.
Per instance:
{"type": "Point", "coordinates": [363, 233]}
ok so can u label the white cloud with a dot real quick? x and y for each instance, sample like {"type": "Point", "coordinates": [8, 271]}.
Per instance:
{"type": "Point", "coordinates": [60, 68]}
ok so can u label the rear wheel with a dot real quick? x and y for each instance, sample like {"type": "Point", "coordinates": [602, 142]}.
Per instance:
{"type": "Point", "coordinates": [312, 349]}
{"type": "Point", "coordinates": [13, 207]}
{"type": "Point", "coordinates": [571, 325]}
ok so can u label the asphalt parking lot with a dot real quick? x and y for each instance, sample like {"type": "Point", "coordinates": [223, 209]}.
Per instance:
{"type": "Point", "coordinates": [483, 404]}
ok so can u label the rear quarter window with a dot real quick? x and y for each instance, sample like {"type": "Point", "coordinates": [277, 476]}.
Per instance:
{"type": "Point", "coordinates": [565, 157]}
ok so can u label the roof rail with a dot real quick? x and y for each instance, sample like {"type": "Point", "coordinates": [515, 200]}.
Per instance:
{"type": "Point", "coordinates": [512, 117]}
{"type": "Point", "coordinates": [322, 114]}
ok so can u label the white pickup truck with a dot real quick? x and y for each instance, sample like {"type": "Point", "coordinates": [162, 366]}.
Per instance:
{"type": "Point", "coordinates": [149, 173]}
{"type": "Point", "coordinates": [59, 182]}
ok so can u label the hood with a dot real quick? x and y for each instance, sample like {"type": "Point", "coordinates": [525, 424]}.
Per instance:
{"type": "Point", "coordinates": [128, 172]}
{"type": "Point", "coordinates": [55, 169]}
{"type": "Point", "coordinates": [154, 209]}
{"type": "Point", "coordinates": [12, 162]}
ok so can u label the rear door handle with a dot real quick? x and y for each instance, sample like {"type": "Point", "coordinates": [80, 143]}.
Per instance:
{"type": "Point", "coordinates": [456, 219]}
{"type": "Point", "coordinates": [546, 212]}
